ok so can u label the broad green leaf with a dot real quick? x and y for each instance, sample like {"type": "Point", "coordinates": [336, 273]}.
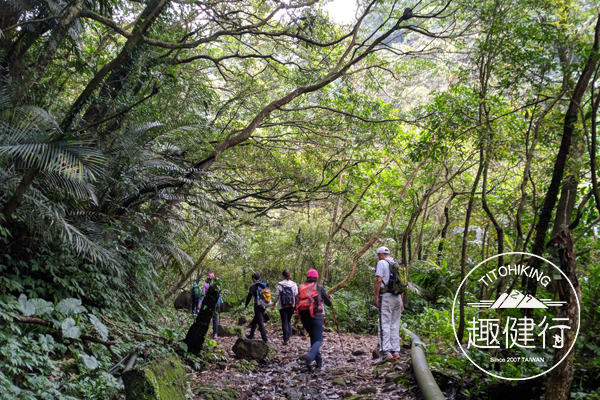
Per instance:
{"type": "Point", "coordinates": [70, 306]}
{"type": "Point", "coordinates": [169, 333]}
{"type": "Point", "coordinates": [42, 307]}
{"type": "Point", "coordinates": [183, 346]}
{"type": "Point", "coordinates": [47, 342]}
{"type": "Point", "coordinates": [100, 327]}
{"type": "Point", "coordinates": [70, 329]}
{"type": "Point", "coordinates": [90, 361]}
{"type": "Point", "coordinates": [27, 307]}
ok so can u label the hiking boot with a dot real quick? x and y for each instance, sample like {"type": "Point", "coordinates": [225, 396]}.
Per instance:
{"type": "Point", "coordinates": [384, 357]}
{"type": "Point", "coordinates": [307, 362]}
{"type": "Point", "coordinates": [395, 355]}
{"type": "Point", "coordinates": [286, 342]}
{"type": "Point", "coordinates": [249, 337]}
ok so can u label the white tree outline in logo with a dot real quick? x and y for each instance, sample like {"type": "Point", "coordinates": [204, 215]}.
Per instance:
{"type": "Point", "coordinates": [578, 316]}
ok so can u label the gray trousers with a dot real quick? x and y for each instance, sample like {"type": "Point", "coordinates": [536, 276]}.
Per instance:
{"type": "Point", "coordinates": [389, 322]}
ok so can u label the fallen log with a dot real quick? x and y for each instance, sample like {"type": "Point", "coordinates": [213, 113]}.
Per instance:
{"type": "Point", "coordinates": [43, 322]}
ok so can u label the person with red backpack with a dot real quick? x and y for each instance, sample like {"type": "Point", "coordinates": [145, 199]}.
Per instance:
{"type": "Point", "coordinates": [285, 299]}
{"type": "Point", "coordinates": [309, 305]}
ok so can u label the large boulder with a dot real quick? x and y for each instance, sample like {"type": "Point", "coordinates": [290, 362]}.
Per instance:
{"type": "Point", "coordinates": [184, 301]}
{"type": "Point", "coordinates": [250, 348]}
{"type": "Point", "coordinates": [230, 331]}
{"type": "Point", "coordinates": [163, 379]}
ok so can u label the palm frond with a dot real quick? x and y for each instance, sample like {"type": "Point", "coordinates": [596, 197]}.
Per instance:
{"type": "Point", "coordinates": [32, 138]}
{"type": "Point", "coordinates": [67, 186]}
{"type": "Point", "coordinates": [55, 220]}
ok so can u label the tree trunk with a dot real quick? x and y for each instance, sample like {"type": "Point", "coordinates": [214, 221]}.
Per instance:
{"type": "Point", "coordinates": [521, 242]}
{"type": "Point", "coordinates": [488, 211]}
{"type": "Point", "coordinates": [406, 236]}
{"type": "Point", "coordinates": [146, 19]}
{"type": "Point", "coordinates": [418, 250]}
{"type": "Point", "coordinates": [593, 140]}
{"type": "Point", "coordinates": [197, 332]}
{"type": "Point", "coordinates": [570, 120]}
{"type": "Point", "coordinates": [68, 16]}
{"type": "Point", "coordinates": [560, 378]}
{"type": "Point", "coordinates": [15, 200]}
{"type": "Point", "coordinates": [463, 254]}
{"type": "Point", "coordinates": [444, 231]}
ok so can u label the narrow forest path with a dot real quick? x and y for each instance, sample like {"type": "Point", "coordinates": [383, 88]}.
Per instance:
{"type": "Point", "coordinates": [348, 372]}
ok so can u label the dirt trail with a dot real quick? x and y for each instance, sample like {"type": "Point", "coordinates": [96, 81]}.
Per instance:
{"type": "Point", "coordinates": [344, 375]}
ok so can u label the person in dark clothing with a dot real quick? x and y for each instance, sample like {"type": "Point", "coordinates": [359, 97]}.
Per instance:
{"type": "Point", "coordinates": [209, 282]}
{"type": "Point", "coordinates": [258, 310]}
{"type": "Point", "coordinates": [285, 300]}
{"type": "Point", "coordinates": [309, 304]}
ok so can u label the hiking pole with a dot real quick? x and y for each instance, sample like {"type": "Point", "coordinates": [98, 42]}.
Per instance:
{"type": "Point", "coordinates": [337, 326]}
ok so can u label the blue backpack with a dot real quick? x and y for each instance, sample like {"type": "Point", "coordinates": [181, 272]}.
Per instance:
{"type": "Point", "coordinates": [287, 297]}
{"type": "Point", "coordinates": [263, 295]}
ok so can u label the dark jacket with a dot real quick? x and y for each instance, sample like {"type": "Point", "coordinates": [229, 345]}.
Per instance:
{"type": "Point", "coordinates": [252, 292]}
{"type": "Point", "coordinates": [324, 300]}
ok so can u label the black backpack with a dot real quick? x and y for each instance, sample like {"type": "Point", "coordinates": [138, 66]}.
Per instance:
{"type": "Point", "coordinates": [287, 297]}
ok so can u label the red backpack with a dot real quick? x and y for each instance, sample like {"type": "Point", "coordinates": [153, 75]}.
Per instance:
{"type": "Point", "coordinates": [308, 298]}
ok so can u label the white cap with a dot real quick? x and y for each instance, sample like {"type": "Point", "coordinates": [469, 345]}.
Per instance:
{"type": "Point", "coordinates": [383, 250]}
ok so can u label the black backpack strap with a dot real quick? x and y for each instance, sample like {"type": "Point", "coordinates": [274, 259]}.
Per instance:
{"type": "Point", "coordinates": [388, 286]}
{"type": "Point", "coordinates": [318, 303]}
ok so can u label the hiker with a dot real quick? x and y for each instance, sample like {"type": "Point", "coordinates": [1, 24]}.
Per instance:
{"type": "Point", "coordinates": [390, 307]}
{"type": "Point", "coordinates": [209, 282]}
{"type": "Point", "coordinates": [285, 300]}
{"type": "Point", "coordinates": [258, 291]}
{"type": "Point", "coordinates": [196, 296]}
{"type": "Point", "coordinates": [309, 305]}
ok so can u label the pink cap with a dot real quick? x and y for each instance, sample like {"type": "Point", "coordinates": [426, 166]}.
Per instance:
{"type": "Point", "coordinates": [211, 275]}
{"type": "Point", "coordinates": [313, 273]}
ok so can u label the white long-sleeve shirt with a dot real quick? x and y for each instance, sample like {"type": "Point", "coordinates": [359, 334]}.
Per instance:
{"type": "Point", "coordinates": [280, 286]}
